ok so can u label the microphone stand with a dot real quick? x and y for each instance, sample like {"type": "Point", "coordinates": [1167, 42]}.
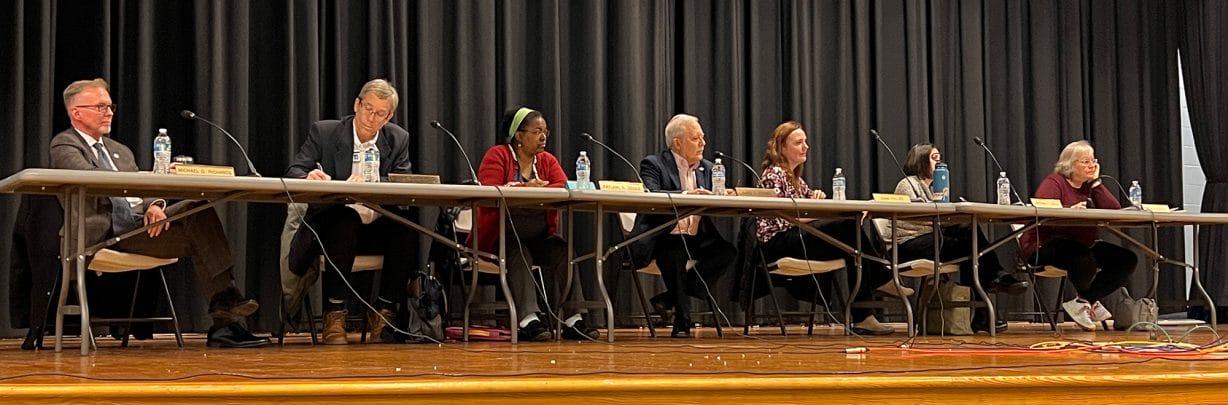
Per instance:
{"type": "Point", "coordinates": [192, 116]}
{"type": "Point", "coordinates": [468, 162]}
{"type": "Point", "coordinates": [758, 180]}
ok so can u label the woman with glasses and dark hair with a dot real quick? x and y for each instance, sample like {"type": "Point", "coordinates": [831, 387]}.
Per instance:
{"type": "Point", "coordinates": [916, 238]}
{"type": "Point", "coordinates": [1095, 267]}
{"type": "Point", "coordinates": [521, 160]}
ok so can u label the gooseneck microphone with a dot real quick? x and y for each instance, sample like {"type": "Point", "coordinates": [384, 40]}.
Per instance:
{"type": "Point", "coordinates": [634, 169]}
{"type": "Point", "coordinates": [1119, 188]}
{"type": "Point", "coordinates": [192, 116]}
{"type": "Point", "coordinates": [468, 162]}
{"type": "Point", "coordinates": [913, 185]}
{"type": "Point", "coordinates": [758, 180]}
{"type": "Point", "coordinates": [982, 144]}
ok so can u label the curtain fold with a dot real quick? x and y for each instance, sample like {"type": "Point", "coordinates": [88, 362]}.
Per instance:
{"type": "Point", "coordinates": [1204, 47]}
{"type": "Point", "coordinates": [1027, 76]}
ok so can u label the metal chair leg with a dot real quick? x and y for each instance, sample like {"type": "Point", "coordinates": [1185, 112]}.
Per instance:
{"type": "Point", "coordinates": [171, 305]}
{"type": "Point", "coordinates": [639, 289]}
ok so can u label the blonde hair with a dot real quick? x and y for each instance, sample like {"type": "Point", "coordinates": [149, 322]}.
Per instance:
{"type": "Point", "coordinates": [1070, 155]}
{"type": "Point", "coordinates": [382, 89]}
{"type": "Point", "coordinates": [79, 86]}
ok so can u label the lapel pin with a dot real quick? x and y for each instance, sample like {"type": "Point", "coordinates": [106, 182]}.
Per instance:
{"type": "Point", "coordinates": [115, 156]}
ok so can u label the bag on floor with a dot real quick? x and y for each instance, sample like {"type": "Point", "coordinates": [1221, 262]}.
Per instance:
{"type": "Point", "coordinates": [422, 317]}
{"type": "Point", "coordinates": [1130, 311]}
{"type": "Point", "coordinates": [955, 318]}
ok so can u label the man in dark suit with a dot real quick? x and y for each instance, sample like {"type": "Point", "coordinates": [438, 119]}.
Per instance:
{"type": "Point", "coordinates": [198, 237]}
{"type": "Point", "coordinates": [333, 149]}
{"type": "Point", "coordinates": [693, 254]}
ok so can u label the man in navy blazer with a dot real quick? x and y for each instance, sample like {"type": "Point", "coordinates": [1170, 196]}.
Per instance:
{"type": "Point", "coordinates": [333, 150]}
{"type": "Point", "coordinates": [198, 237]}
{"type": "Point", "coordinates": [692, 249]}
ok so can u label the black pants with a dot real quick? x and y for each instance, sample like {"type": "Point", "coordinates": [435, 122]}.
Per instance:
{"type": "Point", "coordinates": [345, 236]}
{"type": "Point", "coordinates": [956, 242]}
{"type": "Point", "coordinates": [1115, 264]}
{"type": "Point", "coordinates": [797, 244]}
{"type": "Point", "coordinates": [713, 256]}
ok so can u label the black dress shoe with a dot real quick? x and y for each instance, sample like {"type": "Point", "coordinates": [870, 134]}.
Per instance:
{"type": "Point", "coordinates": [980, 325]}
{"type": "Point", "coordinates": [535, 332]}
{"type": "Point", "coordinates": [229, 304]}
{"type": "Point", "coordinates": [34, 339]}
{"type": "Point", "coordinates": [1007, 283]}
{"type": "Point", "coordinates": [233, 335]}
{"type": "Point", "coordinates": [580, 331]}
{"type": "Point", "coordinates": [680, 334]}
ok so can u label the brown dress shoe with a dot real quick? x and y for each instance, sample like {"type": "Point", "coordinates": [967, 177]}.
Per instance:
{"type": "Point", "coordinates": [377, 324]}
{"type": "Point", "coordinates": [334, 328]}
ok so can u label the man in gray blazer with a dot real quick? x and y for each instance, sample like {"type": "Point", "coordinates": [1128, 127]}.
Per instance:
{"type": "Point", "coordinates": [198, 237]}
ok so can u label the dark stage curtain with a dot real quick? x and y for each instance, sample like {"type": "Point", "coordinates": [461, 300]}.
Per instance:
{"type": "Point", "coordinates": [1204, 45]}
{"type": "Point", "coordinates": [1028, 76]}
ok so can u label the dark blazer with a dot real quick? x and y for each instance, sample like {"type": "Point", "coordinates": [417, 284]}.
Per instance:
{"type": "Point", "coordinates": [660, 173]}
{"type": "Point", "coordinates": [69, 151]}
{"type": "Point", "coordinates": [331, 143]}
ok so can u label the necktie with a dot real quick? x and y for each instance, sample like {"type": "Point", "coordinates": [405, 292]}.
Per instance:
{"type": "Point", "coordinates": [122, 217]}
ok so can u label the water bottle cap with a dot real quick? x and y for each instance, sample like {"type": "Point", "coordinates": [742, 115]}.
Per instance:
{"type": "Point", "coordinates": [1002, 174]}
{"type": "Point", "coordinates": [161, 131]}
{"type": "Point", "coordinates": [583, 153]}
{"type": "Point", "coordinates": [839, 170]}
{"type": "Point", "coordinates": [1135, 182]}
{"type": "Point", "coordinates": [718, 161]}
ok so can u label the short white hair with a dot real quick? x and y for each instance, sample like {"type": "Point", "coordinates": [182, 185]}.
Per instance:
{"type": "Point", "coordinates": [677, 127]}
{"type": "Point", "coordinates": [1070, 155]}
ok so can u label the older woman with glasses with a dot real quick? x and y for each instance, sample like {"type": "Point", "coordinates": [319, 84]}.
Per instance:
{"type": "Point", "coordinates": [1076, 182]}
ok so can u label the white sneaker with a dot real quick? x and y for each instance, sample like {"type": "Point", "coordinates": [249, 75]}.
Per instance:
{"type": "Point", "coordinates": [1080, 312]}
{"type": "Point", "coordinates": [889, 290]}
{"type": "Point", "coordinates": [1099, 313]}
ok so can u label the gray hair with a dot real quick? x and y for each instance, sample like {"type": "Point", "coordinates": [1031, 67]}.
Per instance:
{"type": "Point", "coordinates": [676, 127]}
{"type": "Point", "coordinates": [79, 86]}
{"type": "Point", "coordinates": [382, 89]}
{"type": "Point", "coordinates": [1070, 155]}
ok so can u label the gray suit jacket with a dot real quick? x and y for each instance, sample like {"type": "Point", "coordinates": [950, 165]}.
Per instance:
{"type": "Point", "coordinates": [69, 151]}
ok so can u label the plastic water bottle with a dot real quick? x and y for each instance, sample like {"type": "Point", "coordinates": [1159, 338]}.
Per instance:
{"type": "Point", "coordinates": [718, 177]}
{"type": "Point", "coordinates": [162, 152]}
{"type": "Point", "coordinates": [583, 168]}
{"type": "Point", "coordinates": [1136, 194]}
{"type": "Point", "coordinates": [942, 183]}
{"type": "Point", "coordinates": [838, 185]}
{"type": "Point", "coordinates": [1004, 189]}
{"type": "Point", "coordinates": [370, 165]}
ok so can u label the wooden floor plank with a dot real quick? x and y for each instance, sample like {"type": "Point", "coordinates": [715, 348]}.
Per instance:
{"type": "Point", "coordinates": [761, 368]}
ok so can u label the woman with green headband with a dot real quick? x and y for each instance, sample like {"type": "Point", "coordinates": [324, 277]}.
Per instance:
{"type": "Point", "coordinates": [521, 160]}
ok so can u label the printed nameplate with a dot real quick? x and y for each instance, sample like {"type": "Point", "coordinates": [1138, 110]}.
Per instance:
{"type": "Point", "coordinates": [205, 170]}
{"type": "Point", "coordinates": [1157, 207]}
{"type": "Point", "coordinates": [891, 198]}
{"type": "Point", "coordinates": [623, 186]}
{"type": "Point", "coordinates": [1046, 203]}
{"type": "Point", "coordinates": [413, 178]}
{"type": "Point", "coordinates": [755, 192]}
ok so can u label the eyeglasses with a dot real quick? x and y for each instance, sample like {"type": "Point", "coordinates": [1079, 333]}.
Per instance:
{"type": "Point", "coordinates": [371, 111]}
{"type": "Point", "coordinates": [100, 108]}
{"type": "Point", "coordinates": [538, 132]}
{"type": "Point", "coordinates": [1089, 162]}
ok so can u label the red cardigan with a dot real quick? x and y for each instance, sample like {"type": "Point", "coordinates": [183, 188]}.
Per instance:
{"type": "Point", "coordinates": [498, 168]}
{"type": "Point", "coordinates": [1055, 186]}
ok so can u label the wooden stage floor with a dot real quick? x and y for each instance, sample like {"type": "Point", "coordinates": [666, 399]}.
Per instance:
{"type": "Point", "coordinates": [761, 368]}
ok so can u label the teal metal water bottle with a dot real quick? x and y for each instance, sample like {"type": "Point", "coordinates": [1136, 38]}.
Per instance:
{"type": "Point", "coordinates": [942, 183]}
